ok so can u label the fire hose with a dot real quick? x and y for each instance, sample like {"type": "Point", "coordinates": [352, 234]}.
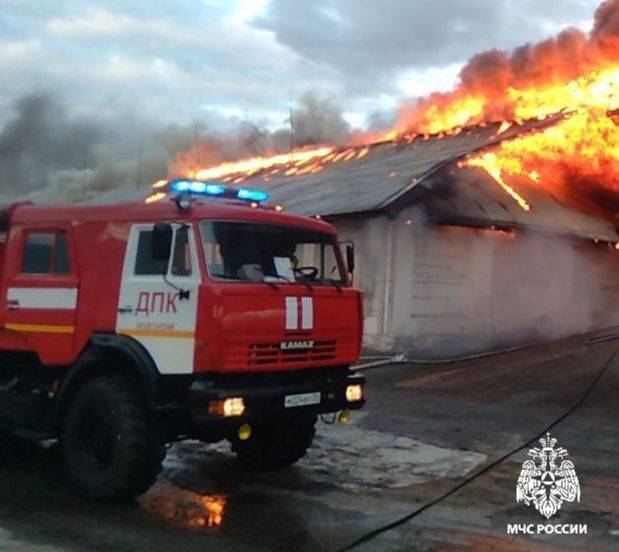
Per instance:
{"type": "Point", "coordinates": [408, 517]}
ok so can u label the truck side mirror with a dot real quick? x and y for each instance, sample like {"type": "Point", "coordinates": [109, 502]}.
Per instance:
{"type": "Point", "coordinates": [350, 257]}
{"type": "Point", "coordinates": [162, 242]}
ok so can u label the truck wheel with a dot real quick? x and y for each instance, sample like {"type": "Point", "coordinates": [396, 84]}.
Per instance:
{"type": "Point", "coordinates": [276, 445]}
{"type": "Point", "coordinates": [109, 448]}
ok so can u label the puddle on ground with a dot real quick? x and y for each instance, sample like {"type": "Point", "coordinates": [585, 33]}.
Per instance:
{"type": "Point", "coordinates": [185, 508]}
{"type": "Point", "coordinates": [350, 458]}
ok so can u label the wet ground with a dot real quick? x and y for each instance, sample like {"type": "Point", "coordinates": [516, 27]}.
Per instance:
{"type": "Point", "coordinates": [425, 429]}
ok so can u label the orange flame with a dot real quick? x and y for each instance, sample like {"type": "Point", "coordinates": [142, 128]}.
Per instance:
{"type": "Point", "coordinates": [577, 158]}
{"type": "Point", "coordinates": [256, 164]}
{"type": "Point", "coordinates": [489, 162]}
{"type": "Point", "coordinates": [584, 147]}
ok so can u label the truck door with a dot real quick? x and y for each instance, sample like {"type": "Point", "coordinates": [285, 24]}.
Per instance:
{"type": "Point", "coordinates": [42, 294]}
{"type": "Point", "coordinates": [158, 301]}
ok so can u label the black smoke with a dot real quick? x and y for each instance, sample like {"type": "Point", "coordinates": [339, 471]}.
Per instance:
{"type": "Point", "coordinates": [49, 153]}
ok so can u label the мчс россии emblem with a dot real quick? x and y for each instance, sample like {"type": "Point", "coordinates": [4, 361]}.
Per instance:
{"type": "Point", "coordinates": [543, 482]}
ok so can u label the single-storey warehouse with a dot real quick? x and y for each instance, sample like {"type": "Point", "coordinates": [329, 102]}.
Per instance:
{"type": "Point", "coordinates": [449, 262]}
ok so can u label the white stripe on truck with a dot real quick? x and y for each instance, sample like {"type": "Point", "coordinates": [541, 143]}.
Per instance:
{"type": "Point", "coordinates": [307, 313]}
{"type": "Point", "coordinates": [299, 313]}
{"type": "Point", "coordinates": [292, 313]}
{"type": "Point", "coordinates": [43, 298]}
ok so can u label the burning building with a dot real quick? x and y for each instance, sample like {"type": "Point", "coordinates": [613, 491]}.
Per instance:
{"type": "Point", "coordinates": [487, 216]}
{"type": "Point", "coordinates": [452, 261]}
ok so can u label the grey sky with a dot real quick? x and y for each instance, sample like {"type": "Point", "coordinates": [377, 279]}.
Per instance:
{"type": "Point", "coordinates": [226, 60]}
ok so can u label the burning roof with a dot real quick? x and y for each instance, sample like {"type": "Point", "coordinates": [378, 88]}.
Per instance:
{"type": "Point", "coordinates": [431, 170]}
{"type": "Point", "coordinates": [551, 160]}
{"type": "Point", "coordinates": [366, 179]}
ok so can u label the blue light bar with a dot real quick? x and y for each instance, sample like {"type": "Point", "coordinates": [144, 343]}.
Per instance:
{"type": "Point", "coordinates": [248, 194]}
{"type": "Point", "coordinates": [197, 187]}
{"type": "Point", "coordinates": [215, 189]}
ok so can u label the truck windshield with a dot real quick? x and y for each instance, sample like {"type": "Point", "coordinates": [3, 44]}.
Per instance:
{"type": "Point", "coordinates": [253, 252]}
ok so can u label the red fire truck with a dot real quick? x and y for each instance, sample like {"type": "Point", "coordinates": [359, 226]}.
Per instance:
{"type": "Point", "coordinates": [205, 316]}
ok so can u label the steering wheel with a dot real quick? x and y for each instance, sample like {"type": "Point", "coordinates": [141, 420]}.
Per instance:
{"type": "Point", "coordinates": [306, 271]}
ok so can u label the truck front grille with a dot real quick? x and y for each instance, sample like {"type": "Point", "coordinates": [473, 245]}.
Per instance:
{"type": "Point", "coordinates": [272, 353]}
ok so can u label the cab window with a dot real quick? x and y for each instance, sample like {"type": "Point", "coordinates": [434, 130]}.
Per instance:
{"type": "Point", "coordinates": [146, 265]}
{"type": "Point", "coordinates": [256, 252]}
{"type": "Point", "coordinates": [61, 257]}
{"type": "Point", "coordinates": [181, 256]}
{"type": "Point", "coordinates": [46, 253]}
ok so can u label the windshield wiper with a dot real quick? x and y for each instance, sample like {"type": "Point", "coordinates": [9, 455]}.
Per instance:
{"type": "Point", "coordinates": [306, 284]}
{"type": "Point", "coordinates": [303, 283]}
{"type": "Point", "coordinates": [269, 283]}
{"type": "Point", "coordinates": [334, 284]}
{"type": "Point", "coordinates": [288, 280]}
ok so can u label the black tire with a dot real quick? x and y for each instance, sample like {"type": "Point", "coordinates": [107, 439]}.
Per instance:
{"type": "Point", "coordinates": [109, 447]}
{"type": "Point", "coordinates": [277, 444]}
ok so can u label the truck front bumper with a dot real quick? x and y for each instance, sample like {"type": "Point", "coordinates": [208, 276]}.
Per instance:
{"type": "Point", "coordinates": [266, 399]}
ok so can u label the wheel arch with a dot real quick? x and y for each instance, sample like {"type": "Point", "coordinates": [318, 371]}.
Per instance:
{"type": "Point", "coordinates": [109, 354]}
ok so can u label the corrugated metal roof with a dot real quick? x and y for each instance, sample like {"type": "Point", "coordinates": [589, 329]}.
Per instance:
{"type": "Point", "coordinates": [383, 175]}
{"type": "Point", "coordinates": [423, 171]}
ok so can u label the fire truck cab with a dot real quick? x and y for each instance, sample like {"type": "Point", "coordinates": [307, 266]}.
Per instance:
{"type": "Point", "coordinates": [126, 327]}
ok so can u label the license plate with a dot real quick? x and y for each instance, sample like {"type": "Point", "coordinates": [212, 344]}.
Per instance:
{"type": "Point", "coordinates": [302, 399]}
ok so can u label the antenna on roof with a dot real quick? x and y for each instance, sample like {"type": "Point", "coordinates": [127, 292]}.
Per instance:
{"type": "Point", "coordinates": [292, 137]}
{"type": "Point", "coordinates": [196, 143]}
{"type": "Point", "coordinates": [141, 158]}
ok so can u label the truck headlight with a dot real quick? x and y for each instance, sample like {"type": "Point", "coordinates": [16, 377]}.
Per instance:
{"type": "Point", "coordinates": [354, 392]}
{"type": "Point", "coordinates": [234, 406]}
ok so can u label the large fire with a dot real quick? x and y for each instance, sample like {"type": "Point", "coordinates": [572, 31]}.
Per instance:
{"type": "Point", "coordinates": [578, 158]}
{"type": "Point", "coordinates": [576, 74]}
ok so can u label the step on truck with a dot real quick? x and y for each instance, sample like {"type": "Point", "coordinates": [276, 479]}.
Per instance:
{"type": "Point", "coordinates": [204, 315]}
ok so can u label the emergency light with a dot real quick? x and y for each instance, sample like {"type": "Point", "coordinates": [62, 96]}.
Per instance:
{"type": "Point", "coordinates": [248, 194]}
{"type": "Point", "coordinates": [198, 187]}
